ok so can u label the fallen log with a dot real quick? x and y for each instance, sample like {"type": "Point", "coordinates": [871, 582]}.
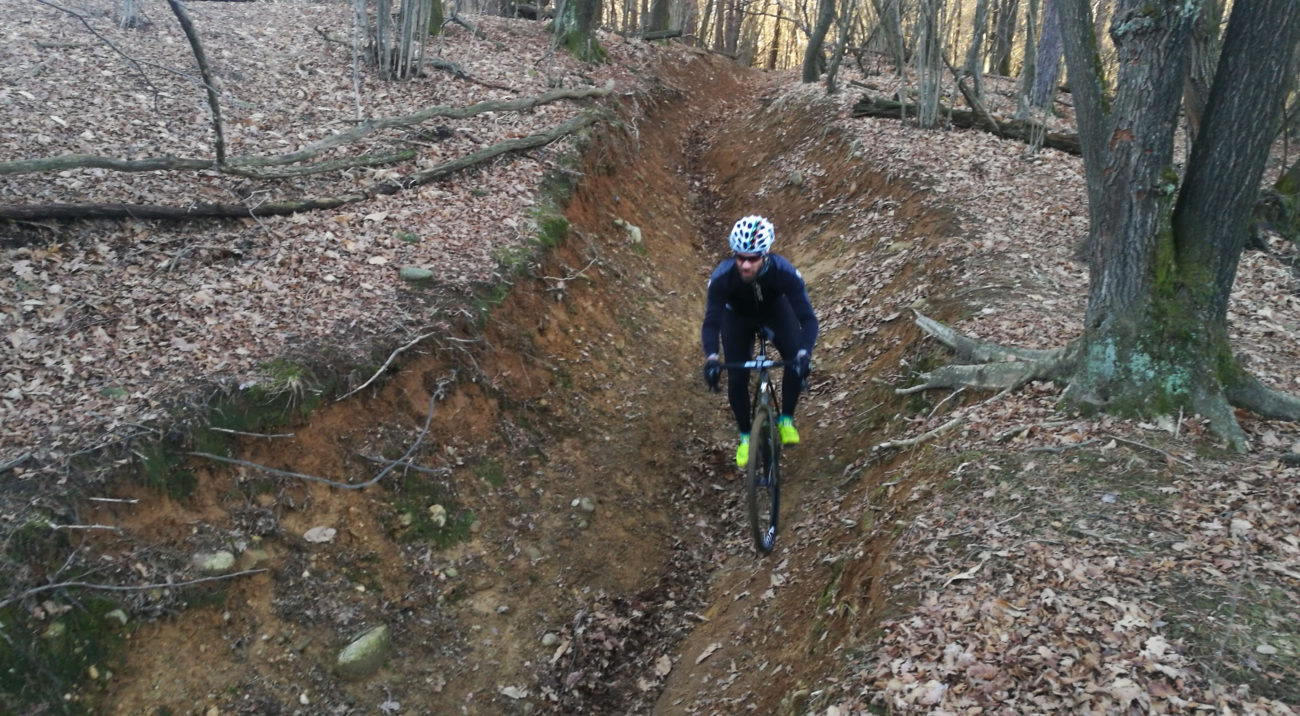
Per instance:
{"type": "Point", "coordinates": [1018, 129]}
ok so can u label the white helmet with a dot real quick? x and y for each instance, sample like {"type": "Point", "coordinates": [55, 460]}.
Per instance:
{"type": "Point", "coordinates": [752, 235]}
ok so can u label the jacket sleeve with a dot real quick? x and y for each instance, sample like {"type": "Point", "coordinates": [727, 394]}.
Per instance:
{"type": "Point", "coordinates": [714, 305]}
{"type": "Point", "coordinates": [797, 292]}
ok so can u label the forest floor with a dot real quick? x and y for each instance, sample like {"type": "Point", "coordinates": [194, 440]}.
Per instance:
{"type": "Point", "coordinates": [563, 531]}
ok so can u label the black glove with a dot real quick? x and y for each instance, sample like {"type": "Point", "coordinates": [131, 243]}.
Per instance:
{"type": "Point", "coordinates": [712, 373]}
{"type": "Point", "coordinates": [803, 365]}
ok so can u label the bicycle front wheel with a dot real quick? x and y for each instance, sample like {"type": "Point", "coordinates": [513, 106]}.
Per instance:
{"type": "Point", "coordinates": [763, 479]}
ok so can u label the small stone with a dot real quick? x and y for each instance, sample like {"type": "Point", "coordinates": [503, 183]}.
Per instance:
{"type": "Point", "coordinates": [586, 504]}
{"type": "Point", "coordinates": [405, 519]}
{"type": "Point", "coordinates": [218, 562]}
{"type": "Point", "coordinates": [415, 274]}
{"type": "Point", "coordinates": [365, 655]}
{"type": "Point", "coordinates": [438, 515]}
{"type": "Point", "coordinates": [549, 639]}
{"type": "Point", "coordinates": [533, 553]}
{"type": "Point", "coordinates": [451, 572]}
{"type": "Point", "coordinates": [118, 615]}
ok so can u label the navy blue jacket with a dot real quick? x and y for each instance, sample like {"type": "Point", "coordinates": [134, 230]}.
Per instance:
{"type": "Point", "coordinates": [778, 278]}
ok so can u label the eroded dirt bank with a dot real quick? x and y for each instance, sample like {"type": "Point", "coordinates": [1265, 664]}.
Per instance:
{"type": "Point", "coordinates": [570, 443]}
{"type": "Point", "coordinates": [604, 567]}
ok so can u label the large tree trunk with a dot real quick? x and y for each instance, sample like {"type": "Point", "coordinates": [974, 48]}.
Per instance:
{"type": "Point", "coordinates": [813, 62]}
{"type": "Point", "coordinates": [575, 24]}
{"type": "Point", "coordinates": [1155, 333]}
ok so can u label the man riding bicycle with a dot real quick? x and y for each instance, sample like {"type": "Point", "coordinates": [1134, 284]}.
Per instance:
{"type": "Point", "coordinates": [750, 291]}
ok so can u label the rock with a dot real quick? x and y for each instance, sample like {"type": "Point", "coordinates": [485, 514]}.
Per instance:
{"type": "Point", "coordinates": [254, 558]}
{"type": "Point", "coordinates": [550, 639]}
{"type": "Point", "coordinates": [586, 504]}
{"type": "Point", "coordinates": [218, 562]}
{"type": "Point", "coordinates": [415, 274]}
{"type": "Point", "coordinates": [533, 553]}
{"type": "Point", "coordinates": [365, 654]}
{"type": "Point", "coordinates": [319, 534]}
{"type": "Point", "coordinates": [117, 615]}
{"type": "Point", "coordinates": [438, 515]}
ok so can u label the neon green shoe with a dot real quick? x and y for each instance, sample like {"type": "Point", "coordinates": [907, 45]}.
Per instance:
{"type": "Point", "coordinates": [789, 436]}
{"type": "Point", "coordinates": [742, 452]}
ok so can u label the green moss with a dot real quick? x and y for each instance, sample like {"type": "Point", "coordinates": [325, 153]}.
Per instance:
{"type": "Point", "coordinates": [46, 664]}
{"type": "Point", "coordinates": [490, 471]}
{"type": "Point", "coordinates": [415, 522]}
{"type": "Point", "coordinates": [552, 229]}
{"type": "Point", "coordinates": [158, 466]}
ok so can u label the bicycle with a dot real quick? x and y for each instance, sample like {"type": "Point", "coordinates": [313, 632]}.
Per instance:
{"type": "Point", "coordinates": [763, 474]}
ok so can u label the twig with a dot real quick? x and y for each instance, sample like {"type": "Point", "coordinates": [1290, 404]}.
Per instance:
{"type": "Point", "coordinates": [86, 527]}
{"type": "Point", "coordinates": [1166, 455]}
{"type": "Point", "coordinates": [384, 367]}
{"type": "Point", "coordinates": [332, 483]}
{"type": "Point", "coordinates": [570, 277]}
{"type": "Point", "coordinates": [130, 501]}
{"type": "Point", "coordinates": [1061, 448]}
{"type": "Point", "coordinates": [441, 471]}
{"type": "Point", "coordinates": [910, 442]}
{"type": "Point", "coordinates": [109, 42]}
{"type": "Point", "coordinates": [123, 588]}
{"type": "Point", "coordinates": [950, 396]}
{"type": "Point", "coordinates": [15, 462]}
{"type": "Point", "coordinates": [205, 72]}
{"type": "Point", "coordinates": [251, 435]}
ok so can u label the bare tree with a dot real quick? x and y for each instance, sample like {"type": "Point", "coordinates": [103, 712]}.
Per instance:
{"type": "Point", "coordinates": [929, 61]}
{"type": "Point", "coordinates": [974, 67]}
{"type": "Point", "coordinates": [1162, 255]}
{"type": "Point", "coordinates": [813, 60]}
{"type": "Point", "coordinates": [1004, 35]}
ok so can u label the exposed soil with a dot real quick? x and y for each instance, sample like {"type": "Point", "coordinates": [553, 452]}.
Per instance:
{"type": "Point", "coordinates": [594, 557]}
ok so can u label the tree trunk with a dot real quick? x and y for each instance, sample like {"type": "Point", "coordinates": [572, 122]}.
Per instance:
{"type": "Point", "coordinates": [659, 15]}
{"type": "Point", "coordinates": [1004, 35]}
{"type": "Point", "coordinates": [1047, 60]}
{"type": "Point", "coordinates": [813, 62]}
{"type": "Point", "coordinates": [575, 24]}
{"type": "Point", "coordinates": [1200, 71]}
{"type": "Point", "coordinates": [774, 52]}
{"type": "Point", "coordinates": [1030, 69]}
{"type": "Point", "coordinates": [1161, 261]}
{"type": "Point", "coordinates": [841, 44]}
{"type": "Point", "coordinates": [929, 62]}
{"type": "Point", "coordinates": [975, 53]}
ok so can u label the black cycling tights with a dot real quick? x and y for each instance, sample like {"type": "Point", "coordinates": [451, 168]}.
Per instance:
{"type": "Point", "coordinates": [738, 334]}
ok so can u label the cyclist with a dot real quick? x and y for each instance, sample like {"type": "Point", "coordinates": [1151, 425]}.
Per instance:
{"type": "Point", "coordinates": [749, 291]}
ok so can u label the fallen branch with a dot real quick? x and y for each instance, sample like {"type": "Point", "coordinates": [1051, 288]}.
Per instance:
{"type": "Point", "coordinates": [923, 437]}
{"type": "Point", "coordinates": [1017, 129]}
{"type": "Point", "coordinates": [77, 161]}
{"type": "Point", "coordinates": [387, 363]}
{"type": "Point", "coordinates": [438, 393]}
{"type": "Point", "coordinates": [123, 588]}
{"type": "Point", "coordinates": [204, 210]}
{"type": "Point", "coordinates": [1169, 457]}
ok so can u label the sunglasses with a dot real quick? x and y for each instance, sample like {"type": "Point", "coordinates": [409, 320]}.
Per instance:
{"type": "Point", "coordinates": [748, 258]}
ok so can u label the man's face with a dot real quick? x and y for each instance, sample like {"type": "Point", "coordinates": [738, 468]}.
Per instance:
{"type": "Point", "coordinates": [749, 265]}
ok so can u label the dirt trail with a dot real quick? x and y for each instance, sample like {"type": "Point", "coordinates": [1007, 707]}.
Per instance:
{"type": "Point", "coordinates": [606, 569]}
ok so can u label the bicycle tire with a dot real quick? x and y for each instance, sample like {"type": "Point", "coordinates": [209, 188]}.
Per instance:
{"type": "Point", "coordinates": [763, 479]}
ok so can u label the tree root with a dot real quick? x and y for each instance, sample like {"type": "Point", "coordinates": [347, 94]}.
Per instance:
{"type": "Point", "coordinates": [999, 367]}
{"type": "Point", "coordinates": [1249, 393]}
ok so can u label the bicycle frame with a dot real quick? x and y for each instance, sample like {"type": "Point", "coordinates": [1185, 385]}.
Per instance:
{"type": "Point", "coordinates": [763, 491]}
